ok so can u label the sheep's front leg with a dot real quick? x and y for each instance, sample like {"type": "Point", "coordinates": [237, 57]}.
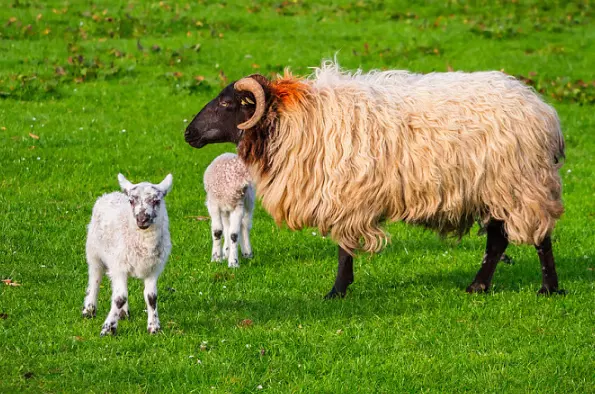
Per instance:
{"type": "Point", "coordinates": [344, 275]}
{"type": "Point", "coordinates": [216, 230]}
{"type": "Point", "coordinates": [95, 276]}
{"type": "Point", "coordinates": [235, 223]}
{"type": "Point", "coordinates": [153, 324]}
{"type": "Point", "coordinates": [245, 238]}
{"type": "Point", "coordinates": [119, 299]}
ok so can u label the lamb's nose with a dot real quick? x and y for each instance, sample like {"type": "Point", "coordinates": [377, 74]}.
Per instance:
{"type": "Point", "coordinates": [142, 219]}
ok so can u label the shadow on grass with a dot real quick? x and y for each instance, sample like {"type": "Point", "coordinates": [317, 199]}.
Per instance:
{"type": "Point", "coordinates": [386, 291]}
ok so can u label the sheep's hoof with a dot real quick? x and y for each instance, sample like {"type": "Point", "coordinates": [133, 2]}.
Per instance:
{"type": "Point", "coordinates": [544, 291]}
{"type": "Point", "coordinates": [506, 259]}
{"type": "Point", "coordinates": [335, 294]}
{"type": "Point", "coordinates": [89, 311]}
{"type": "Point", "coordinates": [215, 258]}
{"type": "Point", "coordinates": [153, 328]}
{"type": "Point", "coordinates": [233, 264]}
{"type": "Point", "coordinates": [477, 287]}
{"type": "Point", "coordinates": [108, 329]}
{"type": "Point", "coordinates": [248, 255]}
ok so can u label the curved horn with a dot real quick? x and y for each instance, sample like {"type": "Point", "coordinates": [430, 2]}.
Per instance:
{"type": "Point", "coordinates": [250, 85]}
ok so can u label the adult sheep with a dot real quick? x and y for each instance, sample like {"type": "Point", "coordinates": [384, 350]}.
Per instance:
{"type": "Point", "coordinates": [344, 152]}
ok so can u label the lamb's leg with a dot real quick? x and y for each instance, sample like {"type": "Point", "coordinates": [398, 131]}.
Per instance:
{"type": "Point", "coordinates": [496, 245]}
{"type": "Point", "coordinates": [235, 222]}
{"type": "Point", "coordinates": [549, 278]}
{"type": "Point", "coordinates": [124, 312]}
{"type": "Point", "coordinates": [245, 238]}
{"type": "Point", "coordinates": [95, 276]}
{"type": "Point", "coordinates": [119, 299]}
{"type": "Point", "coordinates": [216, 230]}
{"type": "Point", "coordinates": [225, 219]}
{"type": "Point", "coordinates": [153, 325]}
{"type": "Point", "coordinates": [344, 275]}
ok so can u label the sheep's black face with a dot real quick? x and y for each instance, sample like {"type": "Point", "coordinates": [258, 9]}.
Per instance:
{"type": "Point", "coordinates": [218, 120]}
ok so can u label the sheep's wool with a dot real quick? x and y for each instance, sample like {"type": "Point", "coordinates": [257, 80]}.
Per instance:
{"type": "Point", "coordinates": [114, 238]}
{"type": "Point", "coordinates": [226, 180]}
{"type": "Point", "coordinates": [350, 150]}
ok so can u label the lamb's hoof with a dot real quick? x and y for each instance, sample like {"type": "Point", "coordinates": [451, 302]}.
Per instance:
{"type": "Point", "coordinates": [153, 328]}
{"type": "Point", "coordinates": [477, 287]}
{"type": "Point", "coordinates": [108, 329]}
{"type": "Point", "coordinates": [544, 291]}
{"type": "Point", "coordinates": [216, 258]}
{"type": "Point", "coordinates": [506, 259]}
{"type": "Point", "coordinates": [334, 293]}
{"type": "Point", "coordinates": [233, 264]}
{"type": "Point", "coordinates": [248, 255]}
{"type": "Point", "coordinates": [89, 311]}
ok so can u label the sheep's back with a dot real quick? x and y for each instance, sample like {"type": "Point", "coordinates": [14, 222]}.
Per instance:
{"type": "Point", "coordinates": [436, 149]}
{"type": "Point", "coordinates": [226, 180]}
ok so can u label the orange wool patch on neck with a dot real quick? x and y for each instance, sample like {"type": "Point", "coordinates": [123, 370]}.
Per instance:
{"type": "Point", "coordinates": [289, 90]}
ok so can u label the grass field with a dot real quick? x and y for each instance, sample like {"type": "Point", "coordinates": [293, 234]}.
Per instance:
{"type": "Point", "coordinates": [92, 88]}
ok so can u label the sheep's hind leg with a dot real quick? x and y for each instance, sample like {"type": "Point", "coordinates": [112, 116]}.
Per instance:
{"type": "Point", "coordinates": [95, 276]}
{"type": "Point", "coordinates": [245, 234]}
{"type": "Point", "coordinates": [124, 312]}
{"type": "Point", "coordinates": [119, 299]}
{"type": "Point", "coordinates": [216, 231]}
{"type": "Point", "coordinates": [549, 277]}
{"type": "Point", "coordinates": [225, 220]}
{"type": "Point", "coordinates": [150, 293]}
{"type": "Point", "coordinates": [235, 223]}
{"type": "Point", "coordinates": [344, 275]}
{"type": "Point", "coordinates": [496, 245]}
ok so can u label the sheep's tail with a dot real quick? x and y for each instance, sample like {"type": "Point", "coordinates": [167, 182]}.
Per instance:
{"type": "Point", "coordinates": [560, 146]}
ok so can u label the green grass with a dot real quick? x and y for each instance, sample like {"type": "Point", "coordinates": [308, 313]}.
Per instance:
{"type": "Point", "coordinates": [75, 78]}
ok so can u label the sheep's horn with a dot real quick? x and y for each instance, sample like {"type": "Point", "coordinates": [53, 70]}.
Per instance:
{"type": "Point", "coordinates": [251, 85]}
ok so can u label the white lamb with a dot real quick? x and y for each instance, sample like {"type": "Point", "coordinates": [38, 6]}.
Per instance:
{"type": "Point", "coordinates": [230, 201]}
{"type": "Point", "coordinates": [128, 236]}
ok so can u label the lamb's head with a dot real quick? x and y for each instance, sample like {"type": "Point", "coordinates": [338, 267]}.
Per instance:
{"type": "Point", "coordinates": [238, 107]}
{"type": "Point", "coordinates": [145, 199]}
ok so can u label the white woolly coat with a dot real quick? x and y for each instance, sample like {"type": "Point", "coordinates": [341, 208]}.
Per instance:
{"type": "Point", "coordinates": [115, 238]}
{"type": "Point", "coordinates": [227, 181]}
{"type": "Point", "coordinates": [348, 151]}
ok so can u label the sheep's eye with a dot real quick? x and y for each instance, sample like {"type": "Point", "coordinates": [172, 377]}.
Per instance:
{"type": "Point", "coordinates": [224, 104]}
{"type": "Point", "coordinates": [247, 101]}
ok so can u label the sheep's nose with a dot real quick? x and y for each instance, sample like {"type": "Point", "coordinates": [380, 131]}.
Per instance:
{"type": "Point", "coordinates": [188, 133]}
{"type": "Point", "coordinates": [143, 221]}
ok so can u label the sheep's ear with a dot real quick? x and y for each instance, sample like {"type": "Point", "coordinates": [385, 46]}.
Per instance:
{"type": "Point", "coordinates": [165, 185]}
{"type": "Point", "coordinates": [125, 184]}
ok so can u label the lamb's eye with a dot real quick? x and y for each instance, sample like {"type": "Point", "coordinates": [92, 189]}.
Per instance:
{"type": "Point", "coordinates": [224, 104]}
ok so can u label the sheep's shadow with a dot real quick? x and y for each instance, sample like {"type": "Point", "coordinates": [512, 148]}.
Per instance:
{"type": "Point", "coordinates": [385, 293]}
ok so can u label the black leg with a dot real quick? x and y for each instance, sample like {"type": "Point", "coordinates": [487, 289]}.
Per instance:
{"type": "Point", "coordinates": [495, 247]}
{"type": "Point", "coordinates": [549, 278]}
{"type": "Point", "coordinates": [344, 275]}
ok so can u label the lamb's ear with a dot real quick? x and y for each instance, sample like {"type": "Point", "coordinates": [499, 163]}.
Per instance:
{"type": "Point", "coordinates": [125, 184]}
{"type": "Point", "coordinates": [165, 185]}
